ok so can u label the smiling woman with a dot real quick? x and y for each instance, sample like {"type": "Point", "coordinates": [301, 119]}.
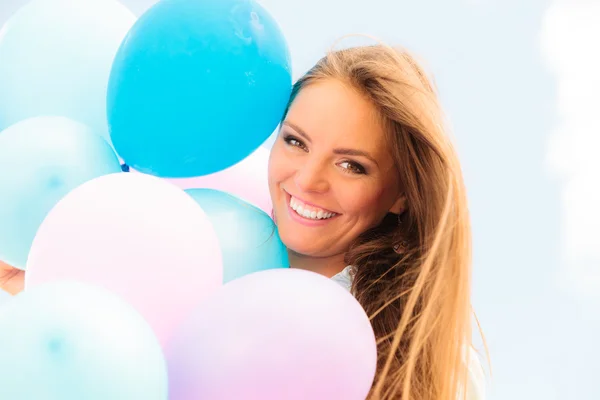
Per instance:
{"type": "Point", "coordinates": [367, 189]}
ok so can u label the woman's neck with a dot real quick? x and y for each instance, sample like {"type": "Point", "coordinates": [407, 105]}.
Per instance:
{"type": "Point", "coordinates": [327, 266]}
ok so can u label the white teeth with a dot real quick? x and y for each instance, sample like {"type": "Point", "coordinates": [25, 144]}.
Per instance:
{"type": "Point", "coordinates": [308, 211]}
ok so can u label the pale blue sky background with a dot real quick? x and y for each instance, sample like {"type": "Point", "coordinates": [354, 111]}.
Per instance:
{"type": "Point", "coordinates": [519, 81]}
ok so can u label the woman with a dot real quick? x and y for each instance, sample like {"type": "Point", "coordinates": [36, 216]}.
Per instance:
{"type": "Point", "coordinates": [367, 189]}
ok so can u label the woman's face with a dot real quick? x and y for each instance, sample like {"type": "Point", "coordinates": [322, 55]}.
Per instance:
{"type": "Point", "coordinates": [331, 173]}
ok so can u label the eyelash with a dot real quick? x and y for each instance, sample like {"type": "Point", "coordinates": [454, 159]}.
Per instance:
{"type": "Point", "coordinates": [289, 139]}
{"type": "Point", "coordinates": [354, 167]}
{"type": "Point", "coordinates": [358, 169]}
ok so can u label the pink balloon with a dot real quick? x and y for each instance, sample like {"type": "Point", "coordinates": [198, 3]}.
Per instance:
{"type": "Point", "coordinates": [138, 236]}
{"type": "Point", "coordinates": [246, 179]}
{"type": "Point", "coordinates": [277, 334]}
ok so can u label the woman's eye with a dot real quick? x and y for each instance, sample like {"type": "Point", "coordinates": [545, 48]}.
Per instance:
{"type": "Point", "coordinates": [353, 167]}
{"type": "Point", "coordinates": [292, 141]}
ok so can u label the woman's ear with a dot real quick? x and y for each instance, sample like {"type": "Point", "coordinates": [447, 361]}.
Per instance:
{"type": "Point", "coordinates": [399, 205]}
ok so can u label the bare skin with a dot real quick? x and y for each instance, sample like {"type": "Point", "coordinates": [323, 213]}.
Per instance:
{"type": "Point", "coordinates": [12, 280]}
{"type": "Point", "coordinates": [331, 157]}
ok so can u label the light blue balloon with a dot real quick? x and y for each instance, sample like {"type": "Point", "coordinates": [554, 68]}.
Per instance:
{"type": "Point", "coordinates": [197, 86]}
{"type": "Point", "coordinates": [55, 59]}
{"type": "Point", "coordinates": [4, 297]}
{"type": "Point", "coordinates": [75, 341]}
{"type": "Point", "coordinates": [41, 160]}
{"type": "Point", "coordinates": [248, 236]}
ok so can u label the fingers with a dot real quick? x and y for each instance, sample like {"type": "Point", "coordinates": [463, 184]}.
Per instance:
{"type": "Point", "coordinates": [12, 280]}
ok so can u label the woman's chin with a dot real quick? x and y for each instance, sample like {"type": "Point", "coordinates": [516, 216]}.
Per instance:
{"type": "Point", "coordinates": [308, 249]}
{"type": "Point", "coordinates": [303, 241]}
{"type": "Point", "coordinates": [300, 247]}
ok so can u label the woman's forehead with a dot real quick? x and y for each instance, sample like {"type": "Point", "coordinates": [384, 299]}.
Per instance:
{"type": "Point", "coordinates": [331, 111]}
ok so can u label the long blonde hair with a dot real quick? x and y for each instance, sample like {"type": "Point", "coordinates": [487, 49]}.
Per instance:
{"type": "Point", "coordinates": [411, 273]}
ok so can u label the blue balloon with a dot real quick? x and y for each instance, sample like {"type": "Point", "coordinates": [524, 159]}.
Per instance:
{"type": "Point", "coordinates": [75, 341]}
{"type": "Point", "coordinates": [248, 236]}
{"type": "Point", "coordinates": [197, 86]}
{"type": "Point", "coordinates": [56, 57]}
{"type": "Point", "coordinates": [41, 160]}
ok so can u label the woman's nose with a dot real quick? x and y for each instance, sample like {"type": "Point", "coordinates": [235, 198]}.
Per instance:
{"type": "Point", "coordinates": [312, 177]}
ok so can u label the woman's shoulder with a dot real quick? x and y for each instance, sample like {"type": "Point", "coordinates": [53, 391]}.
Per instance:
{"type": "Point", "coordinates": [344, 278]}
{"type": "Point", "coordinates": [476, 374]}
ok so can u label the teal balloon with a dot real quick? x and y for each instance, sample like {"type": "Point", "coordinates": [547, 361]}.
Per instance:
{"type": "Point", "coordinates": [56, 57]}
{"type": "Point", "coordinates": [75, 341]}
{"type": "Point", "coordinates": [248, 236]}
{"type": "Point", "coordinates": [41, 160]}
{"type": "Point", "coordinates": [197, 86]}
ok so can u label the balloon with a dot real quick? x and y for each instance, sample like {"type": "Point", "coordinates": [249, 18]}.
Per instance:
{"type": "Point", "coordinates": [248, 237]}
{"type": "Point", "coordinates": [268, 144]}
{"type": "Point", "coordinates": [278, 334]}
{"type": "Point", "coordinates": [4, 297]}
{"type": "Point", "coordinates": [41, 160]}
{"type": "Point", "coordinates": [197, 86]}
{"type": "Point", "coordinates": [73, 341]}
{"type": "Point", "coordinates": [142, 238]}
{"type": "Point", "coordinates": [56, 59]}
{"type": "Point", "coordinates": [247, 180]}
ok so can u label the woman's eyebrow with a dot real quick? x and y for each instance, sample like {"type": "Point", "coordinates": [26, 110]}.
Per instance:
{"type": "Point", "coordinates": [340, 151]}
{"type": "Point", "coordinates": [299, 130]}
{"type": "Point", "coordinates": [354, 152]}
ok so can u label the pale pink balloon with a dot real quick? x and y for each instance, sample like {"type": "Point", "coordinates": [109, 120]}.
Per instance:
{"type": "Point", "coordinates": [247, 180]}
{"type": "Point", "coordinates": [272, 335]}
{"type": "Point", "coordinates": [138, 236]}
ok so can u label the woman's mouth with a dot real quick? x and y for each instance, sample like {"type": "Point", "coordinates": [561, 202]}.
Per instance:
{"type": "Point", "coordinates": [308, 211]}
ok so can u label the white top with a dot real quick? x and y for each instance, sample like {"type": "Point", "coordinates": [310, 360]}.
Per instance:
{"type": "Point", "coordinates": [476, 380]}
